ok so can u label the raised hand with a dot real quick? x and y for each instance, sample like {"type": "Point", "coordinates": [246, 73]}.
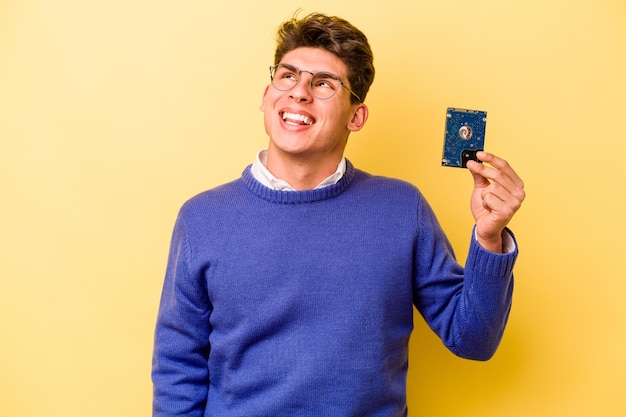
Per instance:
{"type": "Point", "coordinates": [498, 194]}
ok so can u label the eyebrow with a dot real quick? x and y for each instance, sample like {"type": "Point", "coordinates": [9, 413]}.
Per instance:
{"type": "Point", "coordinates": [322, 74]}
{"type": "Point", "coordinates": [289, 67]}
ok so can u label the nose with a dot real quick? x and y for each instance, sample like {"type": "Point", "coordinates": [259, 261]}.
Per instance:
{"type": "Point", "coordinates": [301, 92]}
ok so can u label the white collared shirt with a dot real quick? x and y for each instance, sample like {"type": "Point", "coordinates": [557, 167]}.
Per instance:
{"type": "Point", "coordinates": [264, 176]}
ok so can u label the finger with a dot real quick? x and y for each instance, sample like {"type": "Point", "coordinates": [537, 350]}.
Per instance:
{"type": "Point", "coordinates": [501, 173]}
{"type": "Point", "coordinates": [502, 166]}
{"type": "Point", "coordinates": [480, 180]}
{"type": "Point", "coordinates": [498, 190]}
{"type": "Point", "coordinates": [495, 192]}
{"type": "Point", "coordinates": [501, 210]}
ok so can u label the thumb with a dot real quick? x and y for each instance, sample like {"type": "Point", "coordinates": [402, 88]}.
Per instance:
{"type": "Point", "coordinates": [476, 169]}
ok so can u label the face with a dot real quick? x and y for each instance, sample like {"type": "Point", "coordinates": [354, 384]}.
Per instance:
{"type": "Point", "coordinates": [302, 126]}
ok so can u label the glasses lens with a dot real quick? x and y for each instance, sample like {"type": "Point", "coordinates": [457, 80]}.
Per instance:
{"type": "Point", "coordinates": [324, 85]}
{"type": "Point", "coordinates": [284, 78]}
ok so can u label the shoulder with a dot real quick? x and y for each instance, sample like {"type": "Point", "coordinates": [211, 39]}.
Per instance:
{"type": "Point", "coordinates": [220, 196]}
{"type": "Point", "coordinates": [383, 186]}
{"type": "Point", "coordinates": [395, 196]}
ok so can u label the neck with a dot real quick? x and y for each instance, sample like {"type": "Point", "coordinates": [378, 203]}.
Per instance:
{"type": "Point", "coordinates": [302, 173]}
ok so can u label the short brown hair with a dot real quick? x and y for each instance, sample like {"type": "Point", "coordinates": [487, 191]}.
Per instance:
{"type": "Point", "coordinates": [334, 35]}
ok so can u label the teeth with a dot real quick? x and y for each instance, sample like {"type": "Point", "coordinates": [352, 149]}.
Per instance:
{"type": "Point", "coordinates": [297, 118]}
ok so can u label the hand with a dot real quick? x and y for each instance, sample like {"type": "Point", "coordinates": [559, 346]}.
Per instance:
{"type": "Point", "coordinates": [498, 194]}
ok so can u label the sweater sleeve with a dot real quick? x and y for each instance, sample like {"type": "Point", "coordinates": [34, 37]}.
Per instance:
{"type": "Point", "coordinates": [181, 347]}
{"type": "Point", "coordinates": [466, 307]}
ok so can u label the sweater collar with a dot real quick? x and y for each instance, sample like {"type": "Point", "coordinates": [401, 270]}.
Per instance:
{"type": "Point", "coordinates": [298, 197]}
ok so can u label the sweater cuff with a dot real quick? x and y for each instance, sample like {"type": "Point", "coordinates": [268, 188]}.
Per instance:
{"type": "Point", "coordinates": [493, 264]}
{"type": "Point", "coordinates": [508, 241]}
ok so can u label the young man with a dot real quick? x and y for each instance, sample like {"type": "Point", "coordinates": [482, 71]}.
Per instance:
{"type": "Point", "coordinates": [289, 291]}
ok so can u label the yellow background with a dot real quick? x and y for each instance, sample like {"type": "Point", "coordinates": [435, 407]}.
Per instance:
{"type": "Point", "coordinates": [112, 113]}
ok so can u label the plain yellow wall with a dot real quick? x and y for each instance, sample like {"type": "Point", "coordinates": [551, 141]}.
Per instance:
{"type": "Point", "coordinates": [112, 113]}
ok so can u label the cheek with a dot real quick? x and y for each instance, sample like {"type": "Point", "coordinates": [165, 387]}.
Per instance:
{"type": "Point", "coordinates": [340, 119]}
{"type": "Point", "coordinates": [267, 120]}
{"type": "Point", "coordinates": [270, 119]}
{"type": "Point", "coordinates": [266, 108]}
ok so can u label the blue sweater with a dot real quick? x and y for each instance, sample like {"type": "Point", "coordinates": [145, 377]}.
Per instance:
{"type": "Point", "coordinates": [301, 303]}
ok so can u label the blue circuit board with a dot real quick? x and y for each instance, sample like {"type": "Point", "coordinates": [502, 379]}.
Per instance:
{"type": "Point", "coordinates": [464, 136]}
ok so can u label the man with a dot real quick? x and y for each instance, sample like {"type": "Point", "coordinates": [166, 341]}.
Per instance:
{"type": "Point", "coordinates": [289, 291]}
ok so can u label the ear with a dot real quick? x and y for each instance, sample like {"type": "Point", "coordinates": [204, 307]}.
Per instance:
{"type": "Point", "coordinates": [359, 117]}
{"type": "Point", "coordinates": [262, 108]}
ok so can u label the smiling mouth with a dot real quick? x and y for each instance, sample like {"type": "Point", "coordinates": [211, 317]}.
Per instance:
{"type": "Point", "coordinates": [296, 119]}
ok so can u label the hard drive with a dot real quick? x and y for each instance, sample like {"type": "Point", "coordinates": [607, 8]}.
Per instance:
{"type": "Point", "coordinates": [464, 136]}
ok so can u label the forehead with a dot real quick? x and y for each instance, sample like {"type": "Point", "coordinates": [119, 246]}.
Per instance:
{"type": "Point", "coordinates": [315, 60]}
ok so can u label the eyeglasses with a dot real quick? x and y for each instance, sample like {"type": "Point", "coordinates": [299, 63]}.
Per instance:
{"type": "Point", "coordinates": [323, 85]}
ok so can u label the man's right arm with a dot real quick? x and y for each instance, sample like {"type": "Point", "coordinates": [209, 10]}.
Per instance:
{"type": "Point", "coordinates": [181, 346]}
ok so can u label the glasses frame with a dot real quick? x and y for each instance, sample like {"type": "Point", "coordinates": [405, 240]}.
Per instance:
{"type": "Point", "coordinates": [313, 74]}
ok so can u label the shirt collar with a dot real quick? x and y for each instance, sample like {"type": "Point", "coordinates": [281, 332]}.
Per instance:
{"type": "Point", "coordinates": [264, 176]}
